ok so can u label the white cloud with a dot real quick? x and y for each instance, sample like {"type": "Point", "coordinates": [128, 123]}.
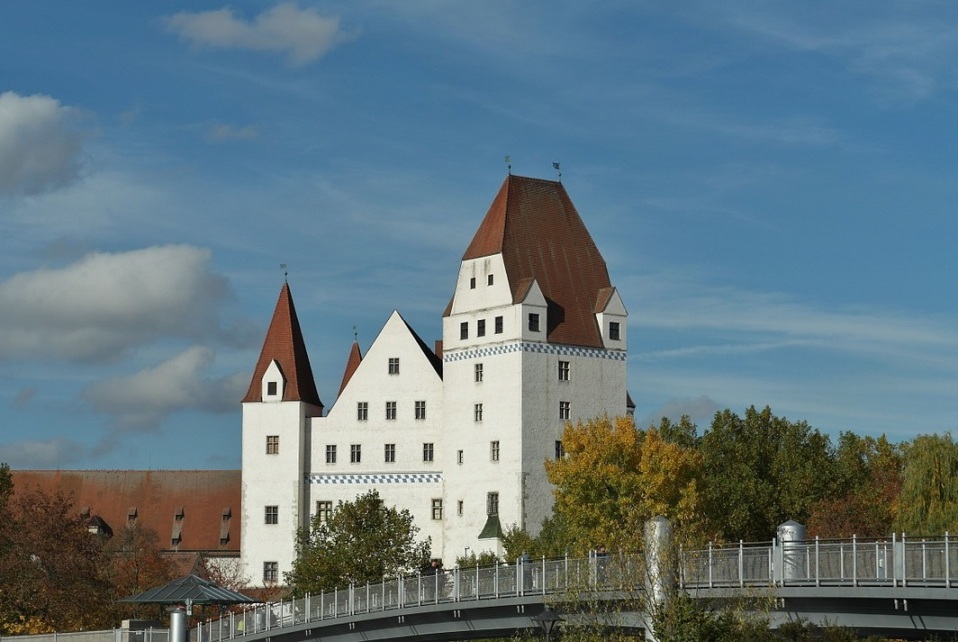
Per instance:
{"type": "Point", "coordinates": [141, 401]}
{"type": "Point", "coordinates": [40, 455]}
{"type": "Point", "coordinates": [40, 144]}
{"type": "Point", "coordinates": [303, 34]}
{"type": "Point", "coordinates": [220, 132]}
{"type": "Point", "coordinates": [103, 305]}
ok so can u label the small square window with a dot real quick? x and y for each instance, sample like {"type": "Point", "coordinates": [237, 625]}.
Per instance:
{"type": "Point", "coordinates": [271, 388]}
{"type": "Point", "coordinates": [563, 371]}
{"type": "Point", "coordinates": [272, 514]}
{"type": "Point", "coordinates": [362, 410]}
{"type": "Point", "coordinates": [390, 454]}
{"type": "Point", "coordinates": [270, 572]}
{"type": "Point", "coordinates": [330, 453]}
{"type": "Point", "coordinates": [560, 451]}
{"type": "Point", "coordinates": [394, 365]}
{"type": "Point", "coordinates": [472, 283]}
{"type": "Point", "coordinates": [492, 503]}
{"type": "Point", "coordinates": [533, 322]}
{"type": "Point", "coordinates": [478, 373]}
{"type": "Point", "coordinates": [464, 330]}
{"type": "Point", "coordinates": [477, 412]}
{"type": "Point", "coordinates": [437, 509]}
{"type": "Point", "coordinates": [324, 510]}
{"type": "Point", "coordinates": [355, 453]}
{"type": "Point", "coordinates": [428, 452]}
{"type": "Point", "coordinates": [565, 410]}
{"type": "Point", "coordinates": [614, 330]}
{"type": "Point", "coordinates": [481, 328]}
{"type": "Point", "coordinates": [489, 280]}
{"type": "Point", "coordinates": [494, 450]}
{"type": "Point", "coordinates": [420, 410]}
{"type": "Point", "coordinates": [390, 410]}
{"type": "Point", "coordinates": [498, 325]}
{"type": "Point", "coordinates": [272, 444]}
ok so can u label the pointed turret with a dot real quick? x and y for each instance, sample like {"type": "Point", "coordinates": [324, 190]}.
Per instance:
{"type": "Point", "coordinates": [355, 358]}
{"type": "Point", "coordinates": [284, 345]}
{"type": "Point", "coordinates": [533, 224]}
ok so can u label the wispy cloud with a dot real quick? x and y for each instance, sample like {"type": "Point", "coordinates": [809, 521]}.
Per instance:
{"type": "Point", "coordinates": [302, 34]}
{"type": "Point", "coordinates": [221, 132]}
{"type": "Point", "coordinates": [42, 454]}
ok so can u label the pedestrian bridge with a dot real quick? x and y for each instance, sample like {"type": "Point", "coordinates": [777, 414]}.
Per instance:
{"type": "Point", "coordinates": [897, 587]}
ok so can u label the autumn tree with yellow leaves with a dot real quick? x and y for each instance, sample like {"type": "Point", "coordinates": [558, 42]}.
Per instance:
{"type": "Point", "coordinates": [614, 477]}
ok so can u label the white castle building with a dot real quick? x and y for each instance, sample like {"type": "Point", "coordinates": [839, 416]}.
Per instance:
{"type": "Point", "coordinates": [533, 337]}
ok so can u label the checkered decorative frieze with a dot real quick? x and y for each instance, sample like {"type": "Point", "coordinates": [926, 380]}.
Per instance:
{"type": "Point", "coordinates": [544, 348]}
{"type": "Point", "coordinates": [376, 478]}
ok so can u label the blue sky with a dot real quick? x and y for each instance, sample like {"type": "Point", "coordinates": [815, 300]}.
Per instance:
{"type": "Point", "coordinates": [772, 186]}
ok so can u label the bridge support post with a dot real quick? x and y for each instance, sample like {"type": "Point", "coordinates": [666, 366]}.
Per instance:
{"type": "Point", "coordinates": [659, 569]}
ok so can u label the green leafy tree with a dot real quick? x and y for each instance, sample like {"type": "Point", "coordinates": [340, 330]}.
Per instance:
{"type": "Point", "coordinates": [363, 541]}
{"type": "Point", "coordinates": [136, 564]}
{"type": "Point", "coordinates": [761, 470]}
{"type": "Point", "coordinates": [928, 504]}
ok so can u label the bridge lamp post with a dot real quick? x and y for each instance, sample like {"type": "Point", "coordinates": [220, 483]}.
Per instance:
{"type": "Point", "coordinates": [547, 620]}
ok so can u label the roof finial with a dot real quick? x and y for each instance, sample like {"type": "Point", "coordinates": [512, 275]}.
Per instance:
{"type": "Point", "coordinates": [556, 166]}
{"type": "Point", "coordinates": [355, 335]}
{"type": "Point", "coordinates": [282, 266]}
{"type": "Point", "coordinates": [509, 165]}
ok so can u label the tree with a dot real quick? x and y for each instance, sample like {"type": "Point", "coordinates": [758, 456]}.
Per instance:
{"type": "Point", "coordinates": [136, 564]}
{"type": "Point", "coordinates": [615, 477]}
{"type": "Point", "coordinates": [762, 470]}
{"type": "Point", "coordinates": [928, 504]}
{"type": "Point", "coordinates": [363, 541]}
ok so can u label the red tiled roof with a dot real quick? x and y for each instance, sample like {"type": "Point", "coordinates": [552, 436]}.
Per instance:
{"type": "Point", "coordinates": [355, 358]}
{"type": "Point", "coordinates": [201, 496]}
{"type": "Point", "coordinates": [284, 343]}
{"type": "Point", "coordinates": [534, 225]}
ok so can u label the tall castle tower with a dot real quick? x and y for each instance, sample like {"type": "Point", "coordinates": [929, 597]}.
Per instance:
{"type": "Point", "coordinates": [534, 337]}
{"type": "Point", "coordinates": [277, 409]}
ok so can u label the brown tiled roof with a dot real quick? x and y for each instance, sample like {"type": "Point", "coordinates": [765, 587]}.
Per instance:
{"type": "Point", "coordinates": [284, 343]}
{"type": "Point", "coordinates": [157, 496]}
{"type": "Point", "coordinates": [355, 358]}
{"type": "Point", "coordinates": [534, 225]}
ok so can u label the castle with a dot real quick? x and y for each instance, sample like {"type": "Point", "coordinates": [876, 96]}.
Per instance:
{"type": "Point", "coordinates": [534, 336]}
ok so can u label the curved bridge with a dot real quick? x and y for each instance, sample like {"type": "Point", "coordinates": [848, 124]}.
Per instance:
{"type": "Point", "coordinates": [906, 588]}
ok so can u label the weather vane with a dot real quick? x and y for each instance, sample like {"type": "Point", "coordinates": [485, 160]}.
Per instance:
{"type": "Point", "coordinates": [556, 166]}
{"type": "Point", "coordinates": [355, 335]}
{"type": "Point", "coordinates": [509, 164]}
{"type": "Point", "coordinates": [282, 266]}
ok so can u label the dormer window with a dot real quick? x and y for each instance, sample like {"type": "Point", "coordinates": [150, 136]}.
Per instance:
{"type": "Point", "coordinates": [271, 388]}
{"type": "Point", "coordinates": [614, 330]}
{"type": "Point", "coordinates": [533, 322]}
{"type": "Point", "coordinates": [178, 516]}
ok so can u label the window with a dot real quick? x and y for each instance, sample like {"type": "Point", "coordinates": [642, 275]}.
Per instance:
{"type": "Point", "coordinates": [362, 410]}
{"type": "Point", "coordinates": [324, 510]}
{"type": "Point", "coordinates": [390, 410]}
{"type": "Point", "coordinates": [394, 365]}
{"type": "Point", "coordinates": [355, 453]}
{"type": "Point", "coordinates": [494, 450]}
{"type": "Point", "coordinates": [271, 388]}
{"type": "Point", "coordinates": [489, 280]}
{"type": "Point", "coordinates": [492, 503]}
{"type": "Point", "coordinates": [272, 514]}
{"type": "Point", "coordinates": [420, 410]}
{"type": "Point", "coordinates": [390, 455]}
{"type": "Point", "coordinates": [533, 322]}
{"type": "Point", "coordinates": [270, 572]}
{"type": "Point", "coordinates": [478, 412]}
{"type": "Point", "coordinates": [563, 371]}
{"type": "Point", "coordinates": [481, 328]}
{"type": "Point", "coordinates": [478, 373]}
{"type": "Point", "coordinates": [459, 456]}
{"type": "Point", "coordinates": [560, 451]}
{"type": "Point", "coordinates": [272, 444]}
{"type": "Point", "coordinates": [459, 507]}
{"type": "Point", "coordinates": [614, 330]}
{"type": "Point", "coordinates": [464, 330]}
{"type": "Point", "coordinates": [427, 452]}
{"type": "Point", "coordinates": [437, 509]}
{"type": "Point", "coordinates": [565, 409]}
{"type": "Point", "coordinates": [472, 283]}
{"type": "Point", "coordinates": [330, 453]}
{"type": "Point", "coordinates": [498, 325]}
